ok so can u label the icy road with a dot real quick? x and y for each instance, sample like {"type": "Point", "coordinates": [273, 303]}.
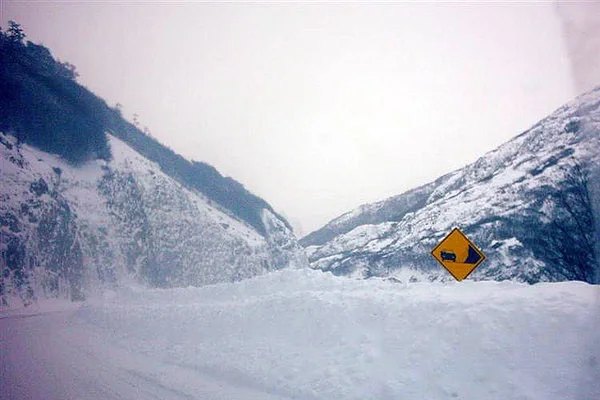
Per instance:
{"type": "Point", "coordinates": [308, 335]}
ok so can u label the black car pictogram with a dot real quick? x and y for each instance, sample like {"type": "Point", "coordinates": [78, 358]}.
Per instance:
{"type": "Point", "coordinates": [448, 256]}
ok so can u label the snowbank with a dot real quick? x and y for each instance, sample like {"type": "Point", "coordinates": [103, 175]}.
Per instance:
{"type": "Point", "coordinates": [17, 308]}
{"type": "Point", "coordinates": [306, 334]}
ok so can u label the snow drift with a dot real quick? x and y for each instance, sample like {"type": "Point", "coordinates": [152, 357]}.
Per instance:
{"type": "Point", "coordinates": [309, 335]}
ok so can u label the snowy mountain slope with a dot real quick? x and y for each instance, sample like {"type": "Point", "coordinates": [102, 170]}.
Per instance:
{"type": "Point", "coordinates": [303, 334]}
{"type": "Point", "coordinates": [529, 205]}
{"type": "Point", "coordinates": [72, 228]}
{"type": "Point", "coordinates": [43, 105]}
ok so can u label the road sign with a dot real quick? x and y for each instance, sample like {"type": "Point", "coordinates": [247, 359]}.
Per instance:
{"type": "Point", "coordinates": [458, 254]}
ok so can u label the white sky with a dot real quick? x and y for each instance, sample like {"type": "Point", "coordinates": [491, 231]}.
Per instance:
{"type": "Point", "coordinates": [317, 108]}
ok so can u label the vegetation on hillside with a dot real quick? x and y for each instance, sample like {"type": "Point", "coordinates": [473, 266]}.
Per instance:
{"type": "Point", "coordinates": [42, 104]}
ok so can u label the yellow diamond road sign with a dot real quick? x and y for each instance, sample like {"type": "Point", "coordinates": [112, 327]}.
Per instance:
{"type": "Point", "coordinates": [458, 254]}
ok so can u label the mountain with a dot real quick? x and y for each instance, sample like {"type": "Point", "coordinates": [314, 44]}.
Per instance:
{"type": "Point", "coordinates": [69, 229]}
{"type": "Point", "coordinates": [531, 205]}
{"type": "Point", "coordinates": [88, 200]}
{"type": "Point", "coordinates": [42, 104]}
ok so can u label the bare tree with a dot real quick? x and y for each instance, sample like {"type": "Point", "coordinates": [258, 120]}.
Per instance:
{"type": "Point", "coordinates": [569, 238]}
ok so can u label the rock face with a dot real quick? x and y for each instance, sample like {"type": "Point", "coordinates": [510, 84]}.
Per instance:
{"type": "Point", "coordinates": [531, 205]}
{"type": "Point", "coordinates": [68, 230]}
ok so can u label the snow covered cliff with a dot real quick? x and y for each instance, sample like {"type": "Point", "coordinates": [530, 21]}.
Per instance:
{"type": "Point", "coordinates": [70, 229]}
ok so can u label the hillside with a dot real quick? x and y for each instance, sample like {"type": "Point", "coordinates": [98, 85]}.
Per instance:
{"type": "Point", "coordinates": [89, 201]}
{"type": "Point", "coordinates": [42, 104]}
{"type": "Point", "coordinates": [530, 205]}
{"type": "Point", "coordinates": [71, 230]}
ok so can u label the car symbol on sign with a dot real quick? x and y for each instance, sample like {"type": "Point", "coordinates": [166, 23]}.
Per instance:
{"type": "Point", "coordinates": [448, 256]}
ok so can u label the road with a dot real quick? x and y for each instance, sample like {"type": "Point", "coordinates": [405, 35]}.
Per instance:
{"type": "Point", "coordinates": [56, 356]}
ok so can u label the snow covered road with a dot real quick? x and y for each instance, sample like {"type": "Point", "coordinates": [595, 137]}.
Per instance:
{"type": "Point", "coordinates": [54, 356]}
{"type": "Point", "coordinates": [309, 335]}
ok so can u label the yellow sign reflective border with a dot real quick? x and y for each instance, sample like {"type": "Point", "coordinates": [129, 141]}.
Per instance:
{"type": "Point", "coordinates": [458, 254]}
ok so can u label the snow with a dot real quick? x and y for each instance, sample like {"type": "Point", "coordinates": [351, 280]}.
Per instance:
{"type": "Point", "coordinates": [127, 159]}
{"type": "Point", "coordinates": [16, 307]}
{"type": "Point", "coordinates": [497, 189]}
{"type": "Point", "coordinates": [123, 213]}
{"type": "Point", "coordinates": [303, 334]}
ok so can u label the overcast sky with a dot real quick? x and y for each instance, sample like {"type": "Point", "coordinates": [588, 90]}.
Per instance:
{"type": "Point", "coordinates": [319, 108]}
